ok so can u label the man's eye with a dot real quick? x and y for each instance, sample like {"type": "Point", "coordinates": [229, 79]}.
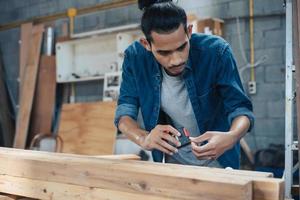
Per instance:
{"type": "Point", "coordinates": [181, 48]}
{"type": "Point", "coordinates": [164, 53]}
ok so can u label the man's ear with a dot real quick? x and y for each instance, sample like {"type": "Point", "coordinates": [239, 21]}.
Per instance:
{"type": "Point", "coordinates": [145, 44]}
{"type": "Point", "coordinates": [190, 30]}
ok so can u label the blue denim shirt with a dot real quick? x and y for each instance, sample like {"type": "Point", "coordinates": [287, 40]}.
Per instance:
{"type": "Point", "coordinates": [212, 81]}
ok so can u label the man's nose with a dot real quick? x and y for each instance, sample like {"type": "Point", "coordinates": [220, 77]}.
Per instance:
{"type": "Point", "coordinates": [175, 59]}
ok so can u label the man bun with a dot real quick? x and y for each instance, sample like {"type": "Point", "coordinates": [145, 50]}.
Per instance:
{"type": "Point", "coordinates": [144, 4]}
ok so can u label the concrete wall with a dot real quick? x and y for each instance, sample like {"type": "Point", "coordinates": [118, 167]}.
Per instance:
{"type": "Point", "coordinates": [269, 27]}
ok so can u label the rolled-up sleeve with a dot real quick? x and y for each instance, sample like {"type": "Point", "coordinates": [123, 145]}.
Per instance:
{"type": "Point", "coordinates": [229, 84]}
{"type": "Point", "coordinates": [128, 103]}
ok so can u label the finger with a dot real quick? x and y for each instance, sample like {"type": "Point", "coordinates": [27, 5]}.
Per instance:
{"type": "Point", "coordinates": [203, 148]}
{"type": "Point", "coordinates": [205, 158]}
{"type": "Point", "coordinates": [208, 154]}
{"type": "Point", "coordinates": [162, 149]}
{"type": "Point", "coordinates": [167, 146]}
{"type": "Point", "coordinates": [204, 137]}
{"type": "Point", "coordinates": [170, 129]}
{"type": "Point", "coordinates": [171, 139]}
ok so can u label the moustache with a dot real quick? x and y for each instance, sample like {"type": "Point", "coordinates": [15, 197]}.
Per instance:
{"type": "Point", "coordinates": [174, 66]}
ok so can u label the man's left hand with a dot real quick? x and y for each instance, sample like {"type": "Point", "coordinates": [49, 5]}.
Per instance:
{"type": "Point", "coordinates": [217, 144]}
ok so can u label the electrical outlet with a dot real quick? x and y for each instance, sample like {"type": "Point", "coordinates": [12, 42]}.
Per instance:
{"type": "Point", "coordinates": [252, 87]}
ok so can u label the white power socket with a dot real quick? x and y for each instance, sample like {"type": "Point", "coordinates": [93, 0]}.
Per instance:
{"type": "Point", "coordinates": [252, 87]}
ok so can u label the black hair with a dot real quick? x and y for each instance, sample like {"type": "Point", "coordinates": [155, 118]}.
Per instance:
{"type": "Point", "coordinates": [161, 16]}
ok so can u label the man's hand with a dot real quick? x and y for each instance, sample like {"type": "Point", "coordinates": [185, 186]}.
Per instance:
{"type": "Point", "coordinates": [218, 143]}
{"type": "Point", "coordinates": [159, 137]}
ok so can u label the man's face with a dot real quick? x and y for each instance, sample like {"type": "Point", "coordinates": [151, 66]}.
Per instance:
{"type": "Point", "coordinates": [171, 50]}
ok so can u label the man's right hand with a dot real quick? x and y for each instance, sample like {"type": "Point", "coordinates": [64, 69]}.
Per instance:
{"type": "Point", "coordinates": [161, 138]}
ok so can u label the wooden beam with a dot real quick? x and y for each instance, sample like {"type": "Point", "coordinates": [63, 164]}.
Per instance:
{"type": "Point", "coordinates": [28, 87]}
{"type": "Point", "coordinates": [44, 99]}
{"type": "Point", "coordinates": [25, 39]}
{"type": "Point", "coordinates": [120, 157]}
{"type": "Point", "coordinates": [134, 177]}
{"type": "Point", "coordinates": [47, 190]}
{"type": "Point", "coordinates": [3, 197]}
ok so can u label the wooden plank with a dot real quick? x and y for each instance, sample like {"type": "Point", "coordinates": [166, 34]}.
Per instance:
{"type": "Point", "coordinates": [28, 87]}
{"type": "Point", "coordinates": [264, 187]}
{"type": "Point", "coordinates": [3, 197]}
{"type": "Point", "coordinates": [57, 191]}
{"type": "Point", "coordinates": [44, 100]}
{"type": "Point", "coordinates": [87, 128]}
{"type": "Point", "coordinates": [14, 197]}
{"type": "Point", "coordinates": [6, 121]}
{"type": "Point", "coordinates": [120, 157]}
{"type": "Point", "coordinates": [25, 39]}
{"type": "Point", "coordinates": [115, 175]}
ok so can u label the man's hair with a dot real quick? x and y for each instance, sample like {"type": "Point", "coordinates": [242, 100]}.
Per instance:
{"type": "Point", "coordinates": [161, 16]}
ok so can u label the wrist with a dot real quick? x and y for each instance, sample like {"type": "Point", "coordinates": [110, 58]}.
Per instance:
{"type": "Point", "coordinates": [141, 141]}
{"type": "Point", "coordinates": [234, 137]}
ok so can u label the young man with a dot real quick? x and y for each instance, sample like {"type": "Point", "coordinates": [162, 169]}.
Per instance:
{"type": "Point", "coordinates": [191, 79]}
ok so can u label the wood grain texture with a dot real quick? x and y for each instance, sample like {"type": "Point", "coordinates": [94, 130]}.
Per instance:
{"type": "Point", "coordinates": [28, 87]}
{"type": "Point", "coordinates": [57, 191]}
{"type": "Point", "coordinates": [44, 99]}
{"type": "Point", "coordinates": [3, 197]}
{"type": "Point", "coordinates": [6, 122]}
{"type": "Point", "coordinates": [25, 38]}
{"type": "Point", "coordinates": [264, 187]}
{"type": "Point", "coordinates": [120, 157]}
{"type": "Point", "coordinates": [133, 177]}
{"type": "Point", "coordinates": [87, 128]}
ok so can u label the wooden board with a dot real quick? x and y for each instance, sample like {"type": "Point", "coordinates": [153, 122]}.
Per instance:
{"type": "Point", "coordinates": [3, 197]}
{"type": "Point", "coordinates": [28, 87]}
{"type": "Point", "coordinates": [6, 122]}
{"type": "Point", "coordinates": [58, 191]}
{"type": "Point", "coordinates": [97, 169]}
{"type": "Point", "coordinates": [44, 100]}
{"type": "Point", "coordinates": [120, 157]}
{"type": "Point", "coordinates": [25, 38]}
{"type": "Point", "coordinates": [87, 128]}
{"type": "Point", "coordinates": [115, 175]}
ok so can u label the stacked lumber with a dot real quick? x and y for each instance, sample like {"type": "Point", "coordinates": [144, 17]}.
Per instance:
{"type": "Point", "coordinates": [37, 87]}
{"type": "Point", "coordinates": [46, 175]}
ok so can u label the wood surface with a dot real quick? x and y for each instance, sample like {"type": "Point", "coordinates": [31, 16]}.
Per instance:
{"type": "Point", "coordinates": [139, 177]}
{"type": "Point", "coordinates": [25, 42]}
{"type": "Point", "coordinates": [122, 176]}
{"type": "Point", "coordinates": [87, 128]}
{"type": "Point", "coordinates": [58, 191]}
{"type": "Point", "coordinates": [28, 87]}
{"type": "Point", "coordinates": [44, 99]}
{"type": "Point", "coordinates": [120, 157]}
{"type": "Point", "coordinates": [3, 197]}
